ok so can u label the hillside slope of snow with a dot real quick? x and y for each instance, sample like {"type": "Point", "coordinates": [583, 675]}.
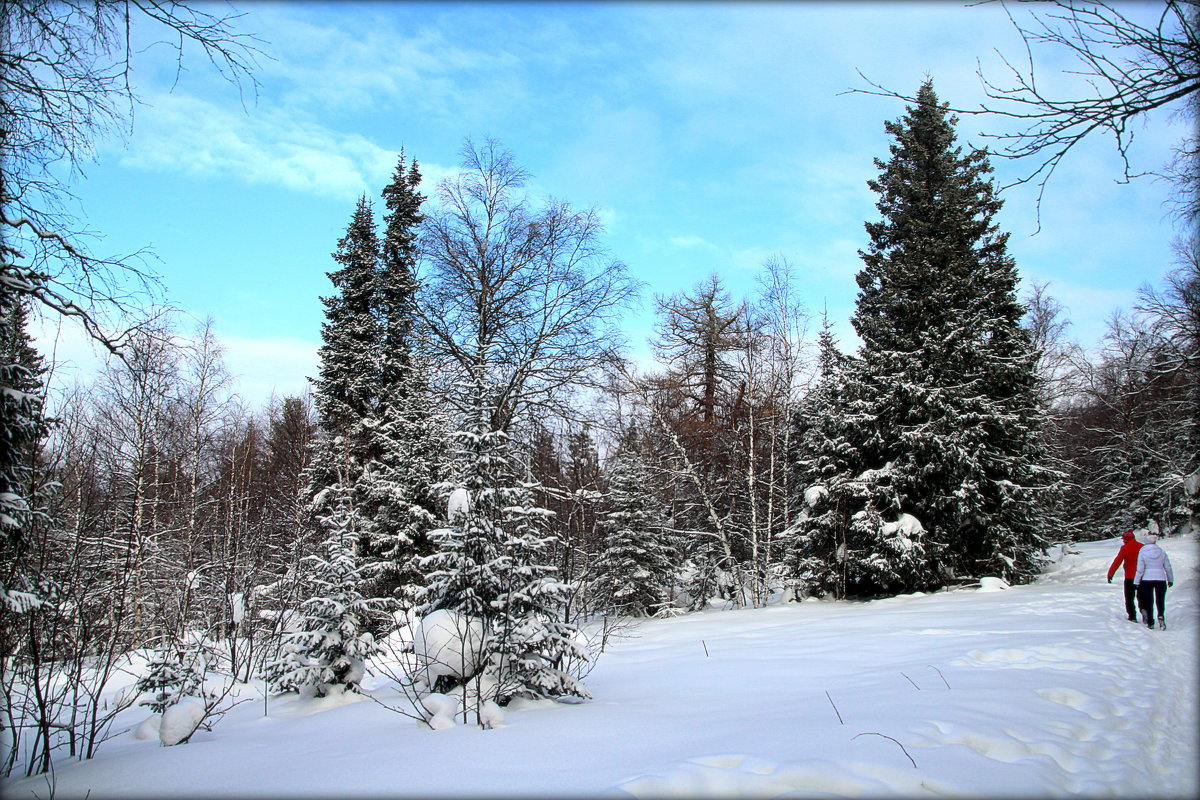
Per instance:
{"type": "Point", "coordinates": [1029, 691]}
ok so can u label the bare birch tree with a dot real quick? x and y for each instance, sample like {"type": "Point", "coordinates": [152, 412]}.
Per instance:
{"type": "Point", "coordinates": [522, 295]}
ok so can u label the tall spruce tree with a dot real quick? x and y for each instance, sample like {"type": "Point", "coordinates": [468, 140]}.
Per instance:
{"type": "Point", "coordinates": [23, 426]}
{"type": "Point", "coordinates": [341, 478]}
{"type": "Point", "coordinates": [943, 393]}
{"type": "Point", "coordinates": [409, 428]}
{"type": "Point", "coordinates": [826, 466]}
{"type": "Point", "coordinates": [397, 282]}
{"type": "Point", "coordinates": [347, 387]}
{"type": "Point", "coordinates": [380, 425]}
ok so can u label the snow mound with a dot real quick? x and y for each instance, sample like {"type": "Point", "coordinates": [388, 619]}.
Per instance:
{"type": "Point", "coordinates": [991, 584]}
{"type": "Point", "coordinates": [751, 776]}
{"type": "Point", "coordinates": [180, 721]}
{"type": "Point", "coordinates": [148, 729]}
{"type": "Point", "coordinates": [490, 714]}
{"type": "Point", "coordinates": [440, 722]}
{"type": "Point", "coordinates": [437, 703]}
{"type": "Point", "coordinates": [448, 643]}
{"type": "Point", "coordinates": [442, 709]}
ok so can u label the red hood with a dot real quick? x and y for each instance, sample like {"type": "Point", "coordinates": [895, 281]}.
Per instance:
{"type": "Point", "coordinates": [1127, 536]}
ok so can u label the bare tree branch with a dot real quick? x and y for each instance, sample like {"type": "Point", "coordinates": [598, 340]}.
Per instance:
{"type": "Point", "coordinates": [526, 297]}
{"type": "Point", "coordinates": [64, 83]}
{"type": "Point", "coordinates": [1131, 69]}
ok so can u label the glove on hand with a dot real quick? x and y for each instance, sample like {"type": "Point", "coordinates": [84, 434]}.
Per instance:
{"type": "Point", "coordinates": [1170, 583]}
{"type": "Point", "coordinates": [1110, 578]}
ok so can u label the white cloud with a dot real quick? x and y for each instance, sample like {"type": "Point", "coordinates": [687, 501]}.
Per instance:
{"type": "Point", "coordinates": [361, 57]}
{"type": "Point", "coordinates": [691, 241]}
{"type": "Point", "coordinates": [189, 135]}
{"type": "Point", "coordinates": [179, 133]}
{"type": "Point", "coordinates": [262, 366]}
{"type": "Point", "coordinates": [432, 175]}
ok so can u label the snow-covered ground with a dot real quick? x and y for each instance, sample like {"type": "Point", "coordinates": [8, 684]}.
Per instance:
{"type": "Point", "coordinates": [1039, 690]}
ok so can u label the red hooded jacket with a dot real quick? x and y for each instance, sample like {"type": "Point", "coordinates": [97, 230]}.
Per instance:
{"type": "Point", "coordinates": [1129, 554]}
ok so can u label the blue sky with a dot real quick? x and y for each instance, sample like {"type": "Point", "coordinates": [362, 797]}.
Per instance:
{"type": "Point", "coordinates": [711, 136]}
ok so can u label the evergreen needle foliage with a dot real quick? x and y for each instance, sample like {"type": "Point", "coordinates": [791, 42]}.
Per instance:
{"type": "Point", "coordinates": [931, 470]}
{"type": "Point", "coordinates": [636, 569]}
{"type": "Point", "coordinates": [330, 647]}
{"type": "Point", "coordinates": [491, 567]}
{"type": "Point", "coordinates": [23, 427]}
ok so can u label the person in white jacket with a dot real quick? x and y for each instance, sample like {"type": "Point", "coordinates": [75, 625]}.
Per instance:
{"type": "Point", "coordinates": [1152, 578]}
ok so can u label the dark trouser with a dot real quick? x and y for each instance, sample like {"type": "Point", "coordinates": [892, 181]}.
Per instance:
{"type": "Point", "coordinates": [1130, 594]}
{"type": "Point", "coordinates": [1152, 593]}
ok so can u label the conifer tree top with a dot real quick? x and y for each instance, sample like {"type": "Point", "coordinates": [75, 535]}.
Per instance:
{"type": "Point", "coordinates": [937, 235]}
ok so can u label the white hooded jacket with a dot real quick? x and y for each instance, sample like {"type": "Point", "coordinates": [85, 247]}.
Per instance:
{"type": "Point", "coordinates": [1153, 565]}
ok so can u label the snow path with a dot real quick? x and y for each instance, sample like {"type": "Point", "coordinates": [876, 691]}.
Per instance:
{"type": "Point", "coordinates": [1039, 690]}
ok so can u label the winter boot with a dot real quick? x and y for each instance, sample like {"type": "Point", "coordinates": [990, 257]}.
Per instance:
{"type": "Point", "coordinates": [1149, 620]}
{"type": "Point", "coordinates": [1162, 623]}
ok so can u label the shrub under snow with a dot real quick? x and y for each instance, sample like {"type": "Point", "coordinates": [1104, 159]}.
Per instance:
{"type": "Point", "coordinates": [448, 643]}
{"type": "Point", "coordinates": [180, 721]}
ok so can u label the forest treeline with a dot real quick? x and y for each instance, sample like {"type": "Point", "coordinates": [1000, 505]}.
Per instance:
{"type": "Point", "coordinates": [477, 443]}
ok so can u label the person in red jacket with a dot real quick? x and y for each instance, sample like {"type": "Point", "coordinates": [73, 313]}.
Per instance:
{"type": "Point", "coordinates": [1128, 554]}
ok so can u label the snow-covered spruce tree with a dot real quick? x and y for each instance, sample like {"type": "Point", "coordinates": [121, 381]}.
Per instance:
{"type": "Point", "coordinates": [850, 532]}
{"type": "Point", "coordinates": [943, 393]}
{"type": "Point", "coordinates": [636, 569]}
{"type": "Point", "coordinates": [339, 475]}
{"type": "Point", "coordinates": [173, 671]}
{"type": "Point", "coordinates": [397, 281]}
{"type": "Point", "coordinates": [23, 426]}
{"type": "Point", "coordinates": [408, 426]}
{"type": "Point", "coordinates": [330, 648]}
{"type": "Point", "coordinates": [347, 387]}
{"type": "Point", "coordinates": [490, 568]}
{"type": "Point", "coordinates": [825, 468]}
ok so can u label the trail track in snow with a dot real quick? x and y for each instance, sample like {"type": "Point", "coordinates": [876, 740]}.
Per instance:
{"type": "Point", "coordinates": [1115, 714]}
